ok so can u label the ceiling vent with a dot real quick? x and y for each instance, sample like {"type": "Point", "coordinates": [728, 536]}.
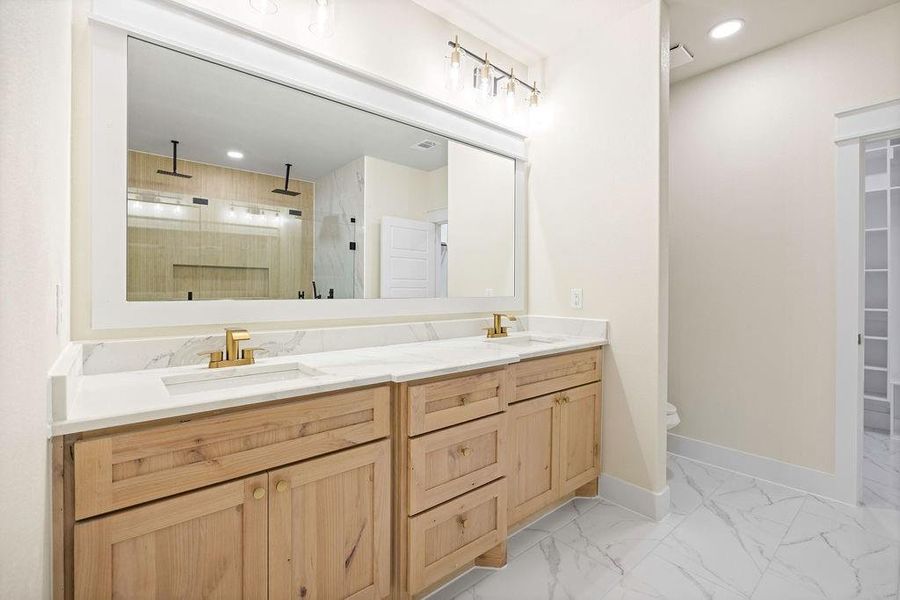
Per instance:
{"type": "Point", "coordinates": [425, 145]}
{"type": "Point", "coordinates": [679, 56]}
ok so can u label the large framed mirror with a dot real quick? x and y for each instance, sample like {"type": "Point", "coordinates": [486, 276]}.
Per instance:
{"type": "Point", "coordinates": [246, 194]}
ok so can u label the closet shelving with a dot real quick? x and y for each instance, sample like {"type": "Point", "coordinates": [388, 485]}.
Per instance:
{"type": "Point", "coordinates": [881, 378]}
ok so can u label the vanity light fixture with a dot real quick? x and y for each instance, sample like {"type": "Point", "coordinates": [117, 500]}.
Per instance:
{"type": "Point", "coordinates": [534, 99]}
{"type": "Point", "coordinates": [487, 75]}
{"type": "Point", "coordinates": [235, 154]}
{"type": "Point", "coordinates": [321, 17]}
{"type": "Point", "coordinates": [726, 29]}
{"type": "Point", "coordinates": [265, 7]}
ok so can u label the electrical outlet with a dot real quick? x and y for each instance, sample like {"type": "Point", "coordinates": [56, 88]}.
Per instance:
{"type": "Point", "coordinates": [576, 298]}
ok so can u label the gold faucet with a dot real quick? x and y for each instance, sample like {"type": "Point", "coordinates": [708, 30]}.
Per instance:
{"type": "Point", "coordinates": [498, 330]}
{"type": "Point", "coordinates": [233, 356]}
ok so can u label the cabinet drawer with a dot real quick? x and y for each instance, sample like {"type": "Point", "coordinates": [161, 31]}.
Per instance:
{"type": "Point", "coordinates": [454, 534]}
{"type": "Point", "coordinates": [547, 375]}
{"type": "Point", "coordinates": [123, 469]}
{"type": "Point", "coordinates": [447, 463]}
{"type": "Point", "coordinates": [439, 404]}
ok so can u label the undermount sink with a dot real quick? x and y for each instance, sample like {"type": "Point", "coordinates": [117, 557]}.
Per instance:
{"type": "Point", "coordinates": [229, 377]}
{"type": "Point", "coordinates": [525, 340]}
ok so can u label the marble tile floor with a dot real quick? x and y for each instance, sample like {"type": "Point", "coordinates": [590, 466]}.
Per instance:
{"type": "Point", "coordinates": [729, 537]}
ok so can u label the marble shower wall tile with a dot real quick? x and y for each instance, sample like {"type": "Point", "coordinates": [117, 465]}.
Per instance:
{"type": "Point", "coordinates": [340, 198]}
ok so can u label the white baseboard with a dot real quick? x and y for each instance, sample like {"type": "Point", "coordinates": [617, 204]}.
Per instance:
{"type": "Point", "coordinates": [805, 479]}
{"type": "Point", "coordinates": [633, 497]}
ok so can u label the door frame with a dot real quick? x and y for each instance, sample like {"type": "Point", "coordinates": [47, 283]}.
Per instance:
{"type": "Point", "coordinates": [852, 129]}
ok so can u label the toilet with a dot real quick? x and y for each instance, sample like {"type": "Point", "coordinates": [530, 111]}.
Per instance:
{"type": "Point", "coordinates": [672, 419]}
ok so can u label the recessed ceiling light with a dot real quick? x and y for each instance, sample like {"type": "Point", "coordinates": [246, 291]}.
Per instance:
{"type": "Point", "coordinates": [266, 7]}
{"type": "Point", "coordinates": [726, 29]}
{"type": "Point", "coordinates": [235, 154]}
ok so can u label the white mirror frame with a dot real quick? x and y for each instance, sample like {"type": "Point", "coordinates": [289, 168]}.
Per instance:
{"type": "Point", "coordinates": [213, 38]}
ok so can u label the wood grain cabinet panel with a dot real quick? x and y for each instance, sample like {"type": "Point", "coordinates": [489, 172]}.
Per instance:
{"type": "Point", "coordinates": [452, 535]}
{"type": "Point", "coordinates": [579, 437]}
{"type": "Point", "coordinates": [330, 527]}
{"type": "Point", "coordinates": [202, 545]}
{"type": "Point", "coordinates": [123, 469]}
{"type": "Point", "coordinates": [541, 376]}
{"type": "Point", "coordinates": [450, 401]}
{"type": "Point", "coordinates": [447, 463]}
{"type": "Point", "coordinates": [534, 456]}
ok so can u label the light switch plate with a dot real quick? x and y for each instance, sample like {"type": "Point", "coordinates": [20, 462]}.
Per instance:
{"type": "Point", "coordinates": [576, 298]}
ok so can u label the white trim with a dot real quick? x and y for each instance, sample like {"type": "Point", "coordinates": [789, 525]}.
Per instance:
{"type": "Point", "coordinates": [633, 497]}
{"type": "Point", "coordinates": [851, 129]}
{"type": "Point", "coordinates": [170, 24]}
{"type": "Point", "coordinates": [809, 480]}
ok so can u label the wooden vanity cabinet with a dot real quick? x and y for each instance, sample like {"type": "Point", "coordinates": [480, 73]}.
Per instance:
{"type": "Point", "coordinates": [554, 438]}
{"type": "Point", "coordinates": [315, 524]}
{"type": "Point", "coordinates": [330, 526]}
{"type": "Point", "coordinates": [205, 544]}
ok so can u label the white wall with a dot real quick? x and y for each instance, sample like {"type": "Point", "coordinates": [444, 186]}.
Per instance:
{"type": "Point", "coordinates": [35, 51]}
{"type": "Point", "coordinates": [481, 193]}
{"type": "Point", "coordinates": [394, 190]}
{"type": "Point", "coordinates": [397, 40]}
{"type": "Point", "coordinates": [597, 221]}
{"type": "Point", "coordinates": [753, 237]}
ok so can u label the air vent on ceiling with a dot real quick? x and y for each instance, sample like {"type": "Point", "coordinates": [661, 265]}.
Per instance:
{"type": "Point", "coordinates": [425, 145]}
{"type": "Point", "coordinates": [679, 56]}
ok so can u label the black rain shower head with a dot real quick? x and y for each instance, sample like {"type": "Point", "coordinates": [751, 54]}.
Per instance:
{"type": "Point", "coordinates": [174, 172]}
{"type": "Point", "coordinates": [287, 180]}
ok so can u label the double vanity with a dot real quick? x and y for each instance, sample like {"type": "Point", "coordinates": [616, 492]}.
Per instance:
{"type": "Point", "coordinates": [374, 472]}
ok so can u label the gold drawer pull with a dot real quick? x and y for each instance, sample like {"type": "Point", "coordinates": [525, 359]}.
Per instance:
{"type": "Point", "coordinates": [259, 492]}
{"type": "Point", "coordinates": [463, 522]}
{"type": "Point", "coordinates": [465, 451]}
{"type": "Point", "coordinates": [281, 486]}
{"type": "Point", "coordinates": [464, 399]}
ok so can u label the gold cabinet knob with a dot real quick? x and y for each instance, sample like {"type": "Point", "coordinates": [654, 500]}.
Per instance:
{"type": "Point", "coordinates": [463, 522]}
{"type": "Point", "coordinates": [557, 400]}
{"type": "Point", "coordinates": [281, 486]}
{"type": "Point", "coordinates": [565, 399]}
{"type": "Point", "coordinates": [259, 492]}
{"type": "Point", "coordinates": [464, 399]}
{"type": "Point", "coordinates": [465, 451]}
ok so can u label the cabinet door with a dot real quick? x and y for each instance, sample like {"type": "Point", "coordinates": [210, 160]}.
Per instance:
{"type": "Point", "coordinates": [205, 544]}
{"type": "Point", "coordinates": [329, 526]}
{"type": "Point", "coordinates": [534, 455]}
{"type": "Point", "coordinates": [579, 437]}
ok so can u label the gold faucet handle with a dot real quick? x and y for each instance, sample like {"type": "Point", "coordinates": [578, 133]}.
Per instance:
{"type": "Point", "coordinates": [249, 353]}
{"type": "Point", "coordinates": [214, 355]}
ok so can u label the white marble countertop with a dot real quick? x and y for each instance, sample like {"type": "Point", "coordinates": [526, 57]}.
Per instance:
{"type": "Point", "coordinates": [86, 402]}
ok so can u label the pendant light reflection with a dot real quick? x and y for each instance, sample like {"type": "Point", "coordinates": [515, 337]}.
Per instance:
{"type": "Point", "coordinates": [321, 17]}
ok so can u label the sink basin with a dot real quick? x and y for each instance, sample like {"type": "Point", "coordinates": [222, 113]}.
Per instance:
{"type": "Point", "coordinates": [525, 340]}
{"type": "Point", "coordinates": [230, 377]}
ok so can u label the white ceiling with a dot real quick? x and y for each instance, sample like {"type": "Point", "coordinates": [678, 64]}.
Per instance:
{"type": "Point", "coordinates": [211, 109]}
{"type": "Point", "coordinates": [531, 29]}
{"type": "Point", "coordinates": [769, 23]}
